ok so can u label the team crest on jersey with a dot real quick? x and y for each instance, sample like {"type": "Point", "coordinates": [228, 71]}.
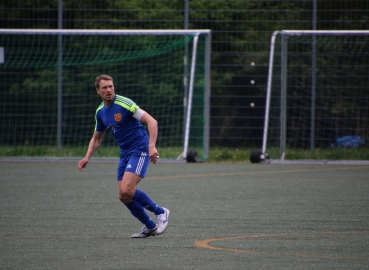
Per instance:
{"type": "Point", "coordinates": [117, 117]}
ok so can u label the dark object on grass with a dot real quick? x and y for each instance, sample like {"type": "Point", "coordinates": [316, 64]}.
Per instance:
{"type": "Point", "coordinates": [349, 141]}
{"type": "Point", "coordinates": [191, 156]}
{"type": "Point", "coordinates": [259, 157]}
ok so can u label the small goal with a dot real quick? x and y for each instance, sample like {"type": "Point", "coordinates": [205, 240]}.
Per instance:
{"type": "Point", "coordinates": [317, 91]}
{"type": "Point", "coordinates": [48, 98]}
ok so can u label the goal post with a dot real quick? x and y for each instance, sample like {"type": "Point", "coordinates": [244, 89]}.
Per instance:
{"type": "Point", "coordinates": [48, 98]}
{"type": "Point", "coordinates": [317, 91]}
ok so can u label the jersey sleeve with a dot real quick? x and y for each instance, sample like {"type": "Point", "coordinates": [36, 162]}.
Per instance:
{"type": "Point", "coordinates": [99, 125]}
{"type": "Point", "coordinates": [126, 103]}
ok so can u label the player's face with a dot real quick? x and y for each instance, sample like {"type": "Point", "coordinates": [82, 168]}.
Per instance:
{"type": "Point", "coordinates": [106, 91]}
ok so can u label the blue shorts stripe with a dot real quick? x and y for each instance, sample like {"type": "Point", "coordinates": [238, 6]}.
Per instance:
{"type": "Point", "coordinates": [140, 163]}
{"type": "Point", "coordinates": [135, 162]}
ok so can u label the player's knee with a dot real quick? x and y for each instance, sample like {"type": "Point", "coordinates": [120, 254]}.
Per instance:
{"type": "Point", "coordinates": [125, 196]}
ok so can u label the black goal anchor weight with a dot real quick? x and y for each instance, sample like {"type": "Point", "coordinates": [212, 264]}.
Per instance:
{"type": "Point", "coordinates": [191, 156]}
{"type": "Point", "coordinates": [259, 157]}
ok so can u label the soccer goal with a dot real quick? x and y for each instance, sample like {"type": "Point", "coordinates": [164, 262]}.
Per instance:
{"type": "Point", "coordinates": [48, 98]}
{"type": "Point", "coordinates": [317, 91]}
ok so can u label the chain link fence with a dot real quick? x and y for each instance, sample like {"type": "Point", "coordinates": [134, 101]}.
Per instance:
{"type": "Point", "coordinates": [241, 32]}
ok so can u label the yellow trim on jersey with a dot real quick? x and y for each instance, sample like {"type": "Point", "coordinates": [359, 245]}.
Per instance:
{"type": "Point", "coordinates": [98, 108]}
{"type": "Point", "coordinates": [126, 103]}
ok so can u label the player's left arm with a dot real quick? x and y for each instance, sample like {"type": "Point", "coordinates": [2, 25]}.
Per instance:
{"type": "Point", "coordinates": [152, 127]}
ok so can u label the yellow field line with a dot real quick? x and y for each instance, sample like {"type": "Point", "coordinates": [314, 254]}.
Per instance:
{"type": "Point", "coordinates": [206, 244]}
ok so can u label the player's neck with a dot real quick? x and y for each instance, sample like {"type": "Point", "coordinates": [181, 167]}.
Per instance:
{"type": "Point", "coordinates": [107, 103]}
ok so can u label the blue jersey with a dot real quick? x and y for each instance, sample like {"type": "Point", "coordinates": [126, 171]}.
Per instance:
{"type": "Point", "coordinates": [129, 133]}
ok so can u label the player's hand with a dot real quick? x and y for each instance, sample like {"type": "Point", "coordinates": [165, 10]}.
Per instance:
{"type": "Point", "coordinates": [154, 155]}
{"type": "Point", "coordinates": [154, 158]}
{"type": "Point", "coordinates": [82, 164]}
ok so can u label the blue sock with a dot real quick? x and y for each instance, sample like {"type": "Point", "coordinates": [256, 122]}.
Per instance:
{"type": "Point", "coordinates": [139, 212]}
{"type": "Point", "coordinates": [144, 200]}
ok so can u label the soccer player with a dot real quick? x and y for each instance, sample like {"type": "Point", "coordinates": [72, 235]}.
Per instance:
{"type": "Point", "coordinates": [123, 118]}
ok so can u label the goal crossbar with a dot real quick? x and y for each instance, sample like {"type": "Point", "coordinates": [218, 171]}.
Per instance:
{"type": "Point", "coordinates": [103, 32]}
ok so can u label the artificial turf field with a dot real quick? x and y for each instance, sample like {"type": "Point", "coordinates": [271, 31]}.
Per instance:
{"type": "Point", "coordinates": [223, 216]}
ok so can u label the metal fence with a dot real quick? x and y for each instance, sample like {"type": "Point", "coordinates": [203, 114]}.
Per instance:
{"type": "Point", "coordinates": [241, 32]}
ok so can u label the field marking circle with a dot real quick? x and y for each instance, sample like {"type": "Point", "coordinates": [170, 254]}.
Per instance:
{"type": "Point", "coordinates": [206, 244]}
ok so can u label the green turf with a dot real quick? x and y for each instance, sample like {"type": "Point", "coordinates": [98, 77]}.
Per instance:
{"type": "Point", "coordinates": [223, 216]}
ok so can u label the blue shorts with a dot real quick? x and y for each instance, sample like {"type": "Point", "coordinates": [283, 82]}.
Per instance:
{"type": "Point", "coordinates": [136, 162]}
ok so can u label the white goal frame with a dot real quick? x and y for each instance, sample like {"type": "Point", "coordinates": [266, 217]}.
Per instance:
{"type": "Point", "coordinates": [188, 100]}
{"type": "Point", "coordinates": [283, 76]}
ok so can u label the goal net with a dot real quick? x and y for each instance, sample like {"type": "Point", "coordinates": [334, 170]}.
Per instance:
{"type": "Point", "coordinates": [48, 99]}
{"type": "Point", "coordinates": [317, 94]}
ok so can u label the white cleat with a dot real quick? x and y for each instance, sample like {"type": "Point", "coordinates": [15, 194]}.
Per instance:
{"type": "Point", "coordinates": [145, 232]}
{"type": "Point", "coordinates": [162, 221]}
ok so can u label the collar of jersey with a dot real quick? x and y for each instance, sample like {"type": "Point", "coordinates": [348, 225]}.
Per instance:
{"type": "Point", "coordinates": [115, 96]}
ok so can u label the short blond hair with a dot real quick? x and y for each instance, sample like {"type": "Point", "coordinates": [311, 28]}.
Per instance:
{"type": "Point", "coordinates": [102, 77]}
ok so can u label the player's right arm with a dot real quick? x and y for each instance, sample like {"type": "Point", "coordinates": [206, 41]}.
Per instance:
{"type": "Point", "coordinates": [94, 144]}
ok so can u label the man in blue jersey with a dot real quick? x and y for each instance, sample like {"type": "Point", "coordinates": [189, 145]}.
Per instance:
{"type": "Point", "coordinates": [123, 118]}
